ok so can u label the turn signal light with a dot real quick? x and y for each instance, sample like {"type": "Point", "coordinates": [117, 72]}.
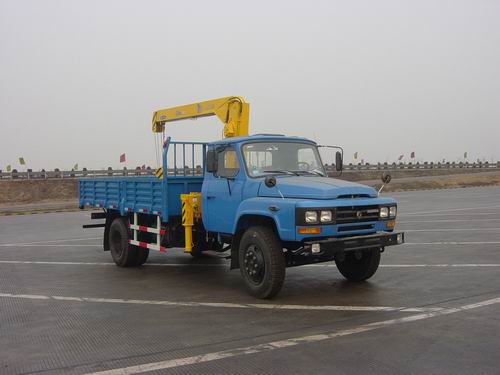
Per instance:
{"type": "Point", "coordinates": [309, 230]}
{"type": "Point", "coordinates": [390, 224]}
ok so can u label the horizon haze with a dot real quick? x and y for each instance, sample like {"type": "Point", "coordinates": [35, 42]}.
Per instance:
{"type": "Point", "coordinates": [79, 80]}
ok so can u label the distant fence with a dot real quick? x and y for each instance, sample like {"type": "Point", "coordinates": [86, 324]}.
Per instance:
{"type": "Point", "coordinates": [197, 171]}
{"type": "Point", "coordinates": [418, 165]}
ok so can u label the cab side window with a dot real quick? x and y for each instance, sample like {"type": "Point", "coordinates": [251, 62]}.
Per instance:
{"type": "Point", "coordinates": [227, 163]}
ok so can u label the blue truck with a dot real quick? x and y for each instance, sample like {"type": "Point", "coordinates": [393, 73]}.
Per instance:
{"type": "Point", "coordinates": [264, 200]}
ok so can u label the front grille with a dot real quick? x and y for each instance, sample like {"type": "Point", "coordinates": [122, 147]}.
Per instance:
{"type": "Point", "coordinates": [353, 196]}
{"type": "Point", "coordinates": [356, 227]}
{"type": "Point", "coordinates": [356, 214]}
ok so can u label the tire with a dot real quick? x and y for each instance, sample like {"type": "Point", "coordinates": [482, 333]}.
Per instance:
{"type": "Point", "coordinates": [124, 254]}
{"type": "Point", "coordinates": [355, 268]}
{"type": "Point", "coordinates": [142, 256]}
{"type": "Point", "coordinates": [262, 264]}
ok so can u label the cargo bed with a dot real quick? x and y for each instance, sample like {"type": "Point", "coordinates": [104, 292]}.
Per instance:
{"type": "Point", "coordinates": [142, 194]}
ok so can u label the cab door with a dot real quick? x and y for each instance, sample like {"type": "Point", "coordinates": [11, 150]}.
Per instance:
{"type": "Point", "coordinates": [222, 192]}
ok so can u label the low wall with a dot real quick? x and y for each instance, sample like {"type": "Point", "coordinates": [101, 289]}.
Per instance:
{"type": "Point", "coordinates": [32, 191]}
{"type": "Point", "coordinates": [356, 175]}
{"type": "Point", "coordinates": [24, 191]}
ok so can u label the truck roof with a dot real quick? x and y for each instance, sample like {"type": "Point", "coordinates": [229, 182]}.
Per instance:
{"type": "Point", "coordinates": [262, 137]}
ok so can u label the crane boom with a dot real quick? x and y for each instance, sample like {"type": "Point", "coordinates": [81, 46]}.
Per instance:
{"type": "Point", "coordinates": [233, 111]}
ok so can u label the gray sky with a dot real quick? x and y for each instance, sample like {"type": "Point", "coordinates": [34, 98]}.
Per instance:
{"type": "Point", "coordinates": [79, 80]}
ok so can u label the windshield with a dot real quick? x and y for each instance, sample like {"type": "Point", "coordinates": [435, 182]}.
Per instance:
{"type": "Point", "coordinates": [263, 158]}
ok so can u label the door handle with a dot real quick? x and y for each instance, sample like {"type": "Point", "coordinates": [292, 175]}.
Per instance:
{"type": "Point", "coordinates": [210, 196]}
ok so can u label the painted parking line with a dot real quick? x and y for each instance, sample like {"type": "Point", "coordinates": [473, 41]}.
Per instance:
{"type": "Point", "coordinates": [462, 214]}
{"type": "Point", "coordinates": [57, 263]}
{"type": "Point", "coordinates": [62, 263]}
{"type": "Point", "coordinates": [50, 245]}
{"type": "Point", "coordinates": [418, 265]}
{"type": "Point", "coordinates": [275, 345]}
{"type": "Point", "coordinates": [454, 230]}
{"type": "Point", "coordinates": [421, 265]}
{"type": "Point", "coordinates": [451, 243]}
{"type": "Point", "coordinates": [452, 210]}
{"type": "Point", "coordinates": [446, 221]}
{"type": "Point", "coordinates": [464, 265]}
{"type": "Point", "coordinates": [50, 241]}
{"type": "Point", "coordinates": [406, 243]}
{"type": "Point", "coordinates": [264, 306]}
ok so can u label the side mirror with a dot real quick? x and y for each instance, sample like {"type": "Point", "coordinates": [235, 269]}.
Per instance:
{"type": "Point", "coordinates": [386, 178]}
{"type": "Point", "coordinates": [211, 161]}
{"type": "Point", "coordinates": [338, 161]}
{"type": "Point", "coordinates": [270, 181]}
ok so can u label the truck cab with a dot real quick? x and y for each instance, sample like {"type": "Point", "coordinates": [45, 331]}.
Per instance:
{"type": "Point", "coordinates": [264, 201]}
{"type": "Point", "coordinates": [278, 185]}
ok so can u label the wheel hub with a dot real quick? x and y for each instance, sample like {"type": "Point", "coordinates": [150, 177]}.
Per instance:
{"type": "Point", "coordinates": [254, 264]}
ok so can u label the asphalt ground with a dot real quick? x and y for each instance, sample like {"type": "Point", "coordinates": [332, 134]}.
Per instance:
{"type": "Point", "coordinates": [432, 307]}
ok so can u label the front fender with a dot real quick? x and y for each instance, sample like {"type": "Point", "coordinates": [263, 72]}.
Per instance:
{"type": "Point", "coordinates": [282, 211]}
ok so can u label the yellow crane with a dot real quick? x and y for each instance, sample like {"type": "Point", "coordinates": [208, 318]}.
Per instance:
{"type": "Point", "coordinates": [233, 111]}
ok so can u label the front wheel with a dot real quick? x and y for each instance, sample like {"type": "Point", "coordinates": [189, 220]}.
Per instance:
{"type": "Point", "coordinates": [262, 264]}
{"type": "Point", "coordinates": [358, 265]}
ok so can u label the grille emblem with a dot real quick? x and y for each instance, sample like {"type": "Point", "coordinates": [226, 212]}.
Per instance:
{"type": "Point", "coordinates": [359, 214]}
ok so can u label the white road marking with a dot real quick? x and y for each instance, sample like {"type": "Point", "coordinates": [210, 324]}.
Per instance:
{"type": "Point", "coordinates": [453, 210]}
{"type": "Point", "coordinates": [461, 214]}
{"type": "Point", "coordinates": [265, 306]}
{"type": "Point", "coordinates": [441, 265]}
{"type": "Point", "coordinates": [259, 348]}
{"type": "Point", "coordinates": [110, 264]}
{"type": "Point", "coordinates": [419, 265]}
{"type": "Point", "coordinates": [56, 263]}
{"type": "Point", "coordinates": [225, 265]}
{"type": "Point", "coordinates": [452, 243]}
{"type": "Point", "coordinates": [454, 230]}
{"type": "Point", "coordinates": [51, 241]}
{"type": "Point", "coordinates": [445, 221]}
{"type": "Point", "coordinates": [51, 245]}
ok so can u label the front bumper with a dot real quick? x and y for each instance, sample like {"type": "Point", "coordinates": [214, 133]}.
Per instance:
{"type": "Point", "coordinates": [324, 250]}
{"type": "Point", "coordinates": [359, 242]}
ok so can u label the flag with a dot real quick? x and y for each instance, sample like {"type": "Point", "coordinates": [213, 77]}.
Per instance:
{"type": "Point", "coordinates": [465, 155]}
{"type": "Point", "coordinates": [122, 158]}
{"type": "Point", "coordinates": [401, 157]}
{"type": "Point", "coordinates": [356, 155]}
{"type": "Point", "coordinates": [412, 155]}
{"type": "Point", "coordinates": [21, 161]}
{"type": "Point", "coordinates": [75, 167]}
{"type": "Point", "coordinates": [9, 168]}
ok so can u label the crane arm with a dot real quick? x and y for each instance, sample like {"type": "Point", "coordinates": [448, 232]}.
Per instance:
{"type": "Point", "coordinates": [233, 111]}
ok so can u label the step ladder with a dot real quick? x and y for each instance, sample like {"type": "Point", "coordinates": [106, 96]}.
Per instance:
{"type": "Point", "coordinates": [136, 228]}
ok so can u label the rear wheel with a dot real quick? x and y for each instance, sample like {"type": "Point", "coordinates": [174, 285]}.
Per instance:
{"type": "Point", "coordinates": [142, 256]}
{"type": "Point", "coordinates": [262, 264]}
{"type": "Point", "coordinates": [358, 265]}
{"type": "Point", "coordinates": [123, 253]}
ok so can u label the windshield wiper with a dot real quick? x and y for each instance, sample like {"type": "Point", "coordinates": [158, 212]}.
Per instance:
{"type": "Point", "coordinates": [314, 172]}
{"type": "Point", "coordinates": [283, 171]}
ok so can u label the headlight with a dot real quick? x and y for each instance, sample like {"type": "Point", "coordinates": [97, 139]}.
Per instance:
{"type": "Point", "coordinates": [384, 212]}
{"type": "Point", "coordinates": [311, 217]}
{"type": "Point", "coordinates": [392, 211]}
{"type": "Point", "coordinates": [326, 216]}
